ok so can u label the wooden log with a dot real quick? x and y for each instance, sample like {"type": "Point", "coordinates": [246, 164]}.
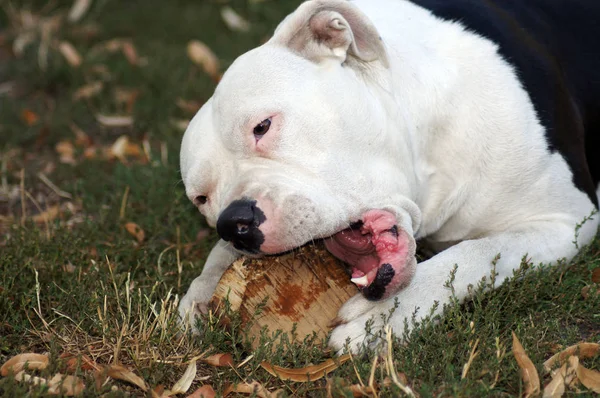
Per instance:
{"type": "Point", "coordinates": [305, 288]}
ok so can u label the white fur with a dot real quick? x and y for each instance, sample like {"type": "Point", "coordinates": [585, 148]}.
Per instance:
{"type": "Point", "coordinates": [445, 137]}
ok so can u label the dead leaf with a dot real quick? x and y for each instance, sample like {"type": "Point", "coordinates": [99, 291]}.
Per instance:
{"type": "Point", "coordinates": [88, 91]}
{"type": "Point", "coordinates": [361, 391]}
{"type": "Point", "coordinates": [561, 378]}
{"type": "Point", "coordinates": [590, 290]}
{"type": "Point", "coordinates": [203, 56]}
{"type": "Point", "coordinates": [309, 373]}
{"type": "Point", "coordinates": [100, 377]}
{"type": "Point", "coordinates": [127, 97]}
{"type": "Point", "coordinates": [529, 373]}
{"type": "Point", "coordinates": [48, 215]}
{"type": "Point", "coordinates": [184, 384]}
{"type": "Point", "coordinates": [337, 386]}
{"type": "Point", "coordinates": [233, 20]}
{"type": "Point", "coordinates": [78, 10]}
{"type": "Point", "coordinates": [582, 350]}
{"type": "Point", "coordinates": [123, 148]}
{"type": "Point", "coordinates": [22, 376]}
{"type": "Point", "coordinates": [65, 385]}
{"type": "Point", "coordinates": [596, 275]}
{"type": "Point", "coordinates": [18, 362]}
{"type": "Point", "coordinates": [589, 378]}
{"type": "Point", "coordinates": [158, 391]}
{"type": "Point", "coordinates": [86, 363]}
{"type": "Point", "coordinates": [81, 138]}
{"type": "Point", "coordinates": [70, 268]}
{"type": "Point", "coordinates": [220, 360]}
{"type": "Point", "coordinates": [180, 124]}
{"type": "Point", "coordinates": [21, 42]}
{"type": "Point", "coordinates": [66, 152]}
{"type": "Point", "coordinates": [206, 391]}
{"type": "Point", "coordinates": [130, 53]}
{"type": "Point", "coordinates": [69, 53]}
{"type": "Point", "coordinates": [114, 121]}
{"type": "Point", "coordinates": [188, 106]}
{"type": "Point", "coordinates": [136, 231]}
{"type": "Point", "coordinates": [29, 117]}
{"type": "Point", "coordinates": [248, 388]}
{"type": "Point", "coordinates": [120, 372]}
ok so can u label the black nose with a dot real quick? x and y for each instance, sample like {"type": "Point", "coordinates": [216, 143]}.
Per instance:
{"type": "Point", "coordinates": [239, 223]}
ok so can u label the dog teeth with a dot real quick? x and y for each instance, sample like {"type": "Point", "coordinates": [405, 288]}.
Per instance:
{"type": "Point", "coordinates": [360, 281]}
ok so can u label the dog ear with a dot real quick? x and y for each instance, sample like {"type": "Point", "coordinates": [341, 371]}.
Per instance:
{"type": "Point", "coordinates": [331, 29]}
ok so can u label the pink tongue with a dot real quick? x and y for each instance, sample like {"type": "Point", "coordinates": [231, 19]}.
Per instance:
{"type": "Point", "coordinates": [354, 241]}
{"type": "Point", "coordinates": [356, 249]}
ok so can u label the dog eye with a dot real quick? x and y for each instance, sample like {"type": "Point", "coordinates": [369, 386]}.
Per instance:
{"type": "Point", "coordinates": [262, 127]}
{"type": "Point", "coordinates": [200, 200]}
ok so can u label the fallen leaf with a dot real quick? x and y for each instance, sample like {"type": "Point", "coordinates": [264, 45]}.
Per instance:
{"type": "Point", "coordinates": [88, 91]}
{"type": "Point", "coordinates": [127, 97]}
{"type": "Point", "coordinates": [123, 148]}
{"type": "Point", "coordinates": [158, 391]}
{"type": "Point", "coordinates": [78, 10]}
{"type": "Point", "coordinates": [120, 372]}
{"type": "Point", "coordinates": [361, 391]}
{"type": "Point", "coordinates": [81, 138]}
{"type": "Point", "coordinates": [590, 290]}
{"type": "Point", "coordinates": [180, 124]}
{"type": "Point", "coordinates": [66, 152]}
{"type": "Point", "coordinates": [47, 215]}
{"type": "Point", "coordinates": [529, 373]}
{"type": "Point", "coordinates": [22, 376]}
{"type": "Point", "coordinates": [113, 45]}
{"type": "Point", "coordinates": [184, 384]}
{"type": "Point", "coordinates": [582, 350]}
{"type": "Point", "coordinates": [589, 378]}
{"type": "Point", "coordinates": [337, 386]}
{"type": "Point", "coordinates": [65, 385]}
{"type": "Point", "coordinates": [220, 360]}
{"type": "Point", "coordinates": [130, 53]}
{"type": "Point", "coordinates": [188, 106]}
{"type": "Point", "coordinates": [561, 378]}
{"type": "Point", "coordinates": [29, 117]}
{"type": "Point", "coordinates": [206, 391]}
{"type": "Point", "coordinates": [596, 275]}
{"type": "Point", "coordinates": [70, 268]}
{"type": "Point", "coordinates": [70, 53]}
{"type": "Point", "coordinates": [136, 231]}
{"type": "Point", "coordinates": [18, 362]}
{"type": "Point", "coordinates": [21, 42]}
{"type": "Point", "coordinates": [233, 20]}
{"type": "Point", "coordinates": [203, 56]}
{"type": "Point", "coordinates": [253, 388]}
{"type": "Point", "coordinates": [100, 377]}
{"type": "Point", "coordinates": [86, 363]}
{"type": "Point", "coordinates": [114, 121]}
{"type": "Point", "coordinates": [309, 373]}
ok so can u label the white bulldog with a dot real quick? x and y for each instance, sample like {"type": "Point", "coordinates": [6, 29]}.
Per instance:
{"type": "Point", "coordinates": [371, 124]}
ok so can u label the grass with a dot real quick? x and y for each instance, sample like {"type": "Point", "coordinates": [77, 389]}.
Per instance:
{"type": "Point", "coordinates": [79, 283]}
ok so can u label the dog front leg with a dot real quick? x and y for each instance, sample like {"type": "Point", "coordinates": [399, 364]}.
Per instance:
{"type": "Point", "coordinates": [544, 242]}
{"type": "Point", "coordinates": [202, 288]}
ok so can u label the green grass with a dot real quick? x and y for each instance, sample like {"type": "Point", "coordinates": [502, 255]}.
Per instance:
{"type": "Point", "coordinates": [82, 284]}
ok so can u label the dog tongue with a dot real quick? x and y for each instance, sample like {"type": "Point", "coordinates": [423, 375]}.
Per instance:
{"type": "Point", "coordinates": [354, 241]}
{"type": "Point", "coordinates": [356, 248]}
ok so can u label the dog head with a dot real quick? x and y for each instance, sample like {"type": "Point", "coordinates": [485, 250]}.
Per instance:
{"type": "Point", "coordinates": [294, 144]}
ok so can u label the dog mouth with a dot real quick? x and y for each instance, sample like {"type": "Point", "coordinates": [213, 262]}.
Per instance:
{"type": "Point", "coordinates": [377, 252]}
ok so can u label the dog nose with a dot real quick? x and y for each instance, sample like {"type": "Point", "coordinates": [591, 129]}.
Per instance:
{"type": "Point", "coordinates": [239, 223]}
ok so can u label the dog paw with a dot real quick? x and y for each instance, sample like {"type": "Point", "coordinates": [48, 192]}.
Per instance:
{"type": "Point", "coordinates": [191, 307]}
{"type": "Point", "coordinates": [358, 323]}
